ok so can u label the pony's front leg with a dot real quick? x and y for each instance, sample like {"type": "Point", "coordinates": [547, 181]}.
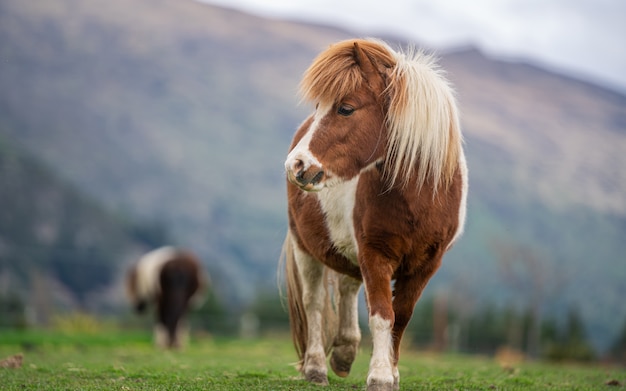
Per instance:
{"type": "Point", "coordinates": [382, 375]}
{"type": "Point", "coordinates": [346, 343]}
{"type": "Point", "coordinates": [313, 297]}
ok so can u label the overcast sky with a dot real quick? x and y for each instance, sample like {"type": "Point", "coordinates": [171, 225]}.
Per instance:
{"type": "Point", "coordinates": [585, 38]}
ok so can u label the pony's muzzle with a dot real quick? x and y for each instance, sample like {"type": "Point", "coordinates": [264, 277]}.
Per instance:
{"type": "Point", "coordinates": [306, 178]}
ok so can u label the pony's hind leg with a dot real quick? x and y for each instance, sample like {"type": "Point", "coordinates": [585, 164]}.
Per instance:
{"type": "Point", "coordinates": [313, 296]}
{"type": "Point", "coordinates": [161, 338]}
{"type": "Point", "coordinates": [346, 343]}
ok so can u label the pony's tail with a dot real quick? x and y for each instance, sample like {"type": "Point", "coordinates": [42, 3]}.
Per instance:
{"type": "Point", "coordinates": [295, 304]}
{"type": "Point", "coordinates": [297, 315]}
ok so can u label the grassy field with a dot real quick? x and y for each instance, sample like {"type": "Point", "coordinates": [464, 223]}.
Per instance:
{"type": "Point", "coordinates": [126, 361]}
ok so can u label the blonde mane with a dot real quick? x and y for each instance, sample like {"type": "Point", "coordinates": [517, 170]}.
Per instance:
{"type": "Point", "coordinates": [422, 119]}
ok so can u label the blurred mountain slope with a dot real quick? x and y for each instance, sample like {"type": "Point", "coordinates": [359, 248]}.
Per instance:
{"type": "Point", "coordinates": [51, 233]}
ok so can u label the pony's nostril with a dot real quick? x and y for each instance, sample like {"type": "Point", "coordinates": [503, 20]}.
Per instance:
{"type": "Point", "coordinates": [318, 177]}
{"type": "Point", "coordinates": [302, 173]}
{"type": "Point", "coordinates": [297, 169]}
{"type": "Point", "coordinates": [298, 165]}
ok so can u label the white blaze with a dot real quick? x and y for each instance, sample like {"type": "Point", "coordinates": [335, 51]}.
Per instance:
{"type": "Point", "coordinates": [302, 150]}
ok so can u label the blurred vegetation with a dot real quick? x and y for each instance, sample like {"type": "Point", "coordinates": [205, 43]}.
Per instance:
{"type": "Point", "coordinates": [81, 323]}
{"type": "Point", "coordinates": [12, 312]}
{"type": "Point", "coordinates": [437, 325]}
{"type": "Point", "coordinates": [618, 348]}
{"type": "Point", "coordinates": [444, 326]}
{"type": "Point", "coordinates": [569, 342]}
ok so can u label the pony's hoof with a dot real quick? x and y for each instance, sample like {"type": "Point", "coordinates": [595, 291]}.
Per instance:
{"type": "Point", "coordinates": [317, 377]}
{"type": "Point", "coordinates": [339, 366]}
{"type": "Point", "coordinates": [381, 386]}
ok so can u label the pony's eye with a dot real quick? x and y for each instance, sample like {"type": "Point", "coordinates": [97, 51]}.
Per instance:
{"type": "Point", "coordinates": [345, 110]}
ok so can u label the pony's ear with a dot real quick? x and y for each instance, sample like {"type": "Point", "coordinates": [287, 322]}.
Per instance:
{"type": "Point", "coordinates": [368, 66]}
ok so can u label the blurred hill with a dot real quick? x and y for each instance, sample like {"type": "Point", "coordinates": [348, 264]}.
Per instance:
{"type": "Point", "coordinates": [56, 243]}
{"type": "Point", "coordinates": [181, 113]}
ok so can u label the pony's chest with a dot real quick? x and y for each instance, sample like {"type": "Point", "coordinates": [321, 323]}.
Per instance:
{"type": "Point", "coordinates": [337, 204]}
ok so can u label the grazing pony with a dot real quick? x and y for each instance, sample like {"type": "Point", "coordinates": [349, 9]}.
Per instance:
{"type": "Point", "coordinates": [377, 185]}
{"type": "Point", "coordinates": [169, 278]}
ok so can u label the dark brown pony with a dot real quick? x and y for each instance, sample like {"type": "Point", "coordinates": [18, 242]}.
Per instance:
{"type": "Point", "coordinates": [376, 192]}
{"type": "Point", "coordinates": [169, 278]}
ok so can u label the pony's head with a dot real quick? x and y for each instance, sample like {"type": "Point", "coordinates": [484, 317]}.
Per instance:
{"type": "Point", "coordinates": [374, 106]}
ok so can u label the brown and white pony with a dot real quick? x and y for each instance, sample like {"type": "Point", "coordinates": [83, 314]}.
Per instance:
{"type": "Point", "coordinates": [377, 185]}
{"type": "Point", "coordinates": [169, 278]}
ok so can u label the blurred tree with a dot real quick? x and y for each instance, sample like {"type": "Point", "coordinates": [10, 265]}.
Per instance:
{"type": "Point", "coordinates": [270, 312]}
{"type": "Point", "coordinates": [618, 349]}
{"type": "Point", "coordinates": [571, 344]}
{"type": "Point", "coordinates": [421, 325]}
{"type": "Point", "coordinates": [487, 330]}
{"type": "Point", "coordinates": [529, 274]}
{"type": "Point", "coordinates": [12, 311]}
{"type": "Point", "coordinates": [212, 316]}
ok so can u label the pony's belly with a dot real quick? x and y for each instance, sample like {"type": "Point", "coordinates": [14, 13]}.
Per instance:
{"type": "Point", "coordinates": [337, 204]}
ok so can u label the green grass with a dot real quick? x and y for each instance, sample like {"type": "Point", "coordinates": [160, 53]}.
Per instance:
{"type": "Point", "coordinates": [124, 361]}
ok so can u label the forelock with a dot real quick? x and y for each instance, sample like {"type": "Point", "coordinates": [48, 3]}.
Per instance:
{"type": "Point", "coordinates": [335, 74]}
